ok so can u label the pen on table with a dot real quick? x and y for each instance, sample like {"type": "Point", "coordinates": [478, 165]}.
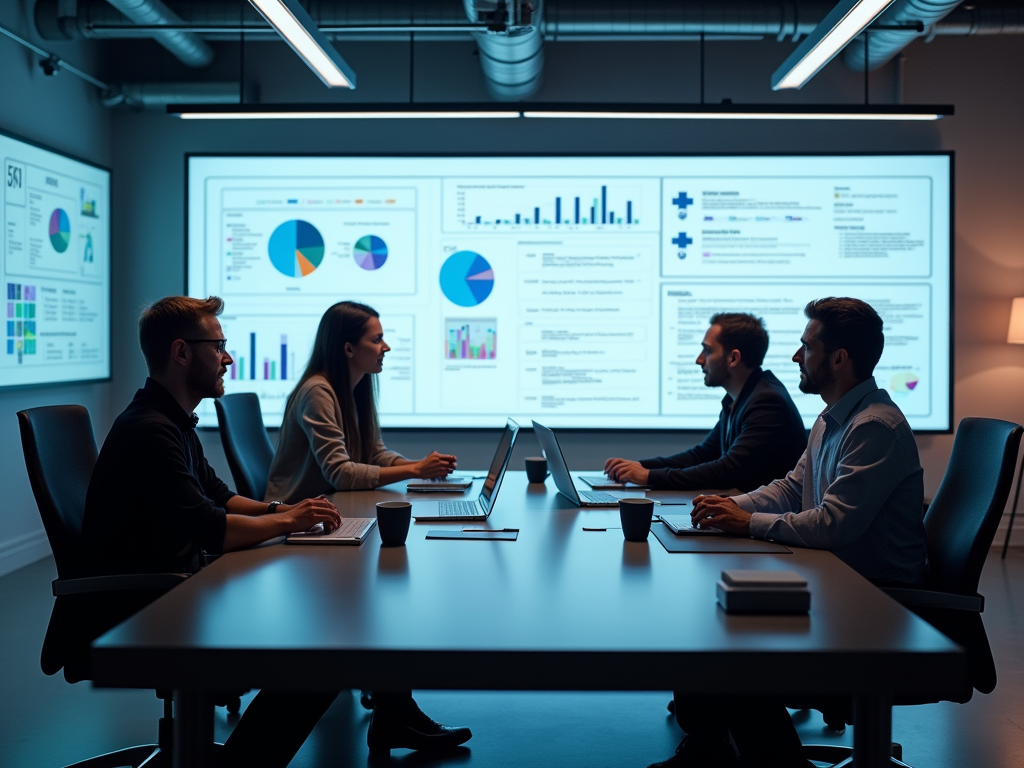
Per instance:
{"type": "Point", "coordinates": [606, 528]}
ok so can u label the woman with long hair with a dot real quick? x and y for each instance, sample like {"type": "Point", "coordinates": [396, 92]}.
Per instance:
{"type": "Point", "coordinates": [330, 441]}
{"type": "Point", "coordinates": [330, 436]}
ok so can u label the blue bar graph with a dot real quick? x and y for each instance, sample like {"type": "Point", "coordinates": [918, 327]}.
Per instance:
{"type": "Point", "coordinates": [551, 212]}
{"type": "Point", "coordinates": [284, 356]}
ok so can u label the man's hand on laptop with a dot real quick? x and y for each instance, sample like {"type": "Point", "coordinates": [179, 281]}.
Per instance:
{"type": "Point", "coordinates": [309, 512]}
{"type": "Point", "coordinates": [722, 513]}
{"type": "Point", "coordinates": [625, 471]}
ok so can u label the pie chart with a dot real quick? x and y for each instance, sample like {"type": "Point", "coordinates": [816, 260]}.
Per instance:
{"type": "Point", "coordinates": [904, 382]}
{"type": "Point", "coordinates": [296, 248]}
{"type": "Point", "coordinates": [60, 230]}
{"type": "Point", "coordinates": [370, 252]}
{"type": "Point", "coordinates": [467, 278]}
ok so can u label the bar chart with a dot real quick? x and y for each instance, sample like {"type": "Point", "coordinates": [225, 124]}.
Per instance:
{"type": "Point", "coordinates": [523, 204]}
{"type": "Point", "coordinates": [471, 339]}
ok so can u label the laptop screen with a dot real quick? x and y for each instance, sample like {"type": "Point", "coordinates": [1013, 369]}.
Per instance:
{"type": "Point", "coordinates": [499, 464]}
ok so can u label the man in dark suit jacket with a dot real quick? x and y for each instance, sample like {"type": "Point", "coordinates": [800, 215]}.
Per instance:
{"type": "Point", "coordinates": [760, 434]}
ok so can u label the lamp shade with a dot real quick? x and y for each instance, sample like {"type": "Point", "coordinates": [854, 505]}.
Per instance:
{"type": "Point", "coordinates": [1016, 333]}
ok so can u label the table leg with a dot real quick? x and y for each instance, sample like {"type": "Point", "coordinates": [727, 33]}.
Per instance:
{"type": "Point", "coordinates": [193, 730]}
{"type": "Point", "coordinates": [872, 730]}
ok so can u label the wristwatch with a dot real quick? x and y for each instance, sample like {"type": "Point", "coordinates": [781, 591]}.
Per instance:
{"type": "Point", "coordinates": [272, 506]}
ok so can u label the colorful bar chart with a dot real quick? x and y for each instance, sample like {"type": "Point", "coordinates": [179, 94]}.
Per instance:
{"type": "Point", "coordinates": [272, 369]}
{"type": "Point", "coordinates": [471, 338]}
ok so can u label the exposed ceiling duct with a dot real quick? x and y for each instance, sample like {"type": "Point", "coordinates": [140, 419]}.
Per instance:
{"type": "Point", "coordinates": [511, 50]}
{"type": "Point", "coordinates": [185, 45]}
{"type": "Point", "coordinates": [159, 95]}
{"type": "Point", "coordinates": [886, 43]}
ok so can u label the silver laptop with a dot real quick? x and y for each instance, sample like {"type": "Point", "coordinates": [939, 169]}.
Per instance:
{"type": "Point", "coordinates": [682, 525]}
{"type": "Point", "coordinates": [563, 480]}
{"type": "Point", "coordinates": [480, 508]}
{"type": "Point", "coordinates": [351, 531]}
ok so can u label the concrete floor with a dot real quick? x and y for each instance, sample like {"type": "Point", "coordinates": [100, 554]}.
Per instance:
{"type": "Point", "coordinates": [46, 722]}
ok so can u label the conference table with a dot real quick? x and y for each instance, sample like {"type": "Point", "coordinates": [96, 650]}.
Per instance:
{"type": "Point", "coordinates": [560, 608]}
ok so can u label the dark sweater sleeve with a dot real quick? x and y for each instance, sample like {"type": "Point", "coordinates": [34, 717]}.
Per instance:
{"type": "Point", "coordinates": [214, 488]}
{"type": "Point", "coordinates": [759, 428]}
{"type": "Point", "coordinates": [708, 450]}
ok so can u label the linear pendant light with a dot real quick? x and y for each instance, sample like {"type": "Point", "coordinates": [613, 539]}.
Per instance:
{"type": "Point", "coordinates": [560, 111]}
{"type": "Point", "coordinates": [299, 30]}
{"type": "Point", "coordinates": [843, 23]}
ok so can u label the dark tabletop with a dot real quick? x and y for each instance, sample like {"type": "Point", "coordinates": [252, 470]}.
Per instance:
{"type": "Point", "coordinates": [560, 608]}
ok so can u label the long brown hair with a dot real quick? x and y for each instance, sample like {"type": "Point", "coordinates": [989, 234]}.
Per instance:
{"type": "Point", "coordinates": [345, 322]}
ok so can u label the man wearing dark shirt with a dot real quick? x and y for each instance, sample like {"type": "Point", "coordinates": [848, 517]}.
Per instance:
{"type": "Point", "coordinates": [155, 505]}
{"type": "Point", "coordinates": [759, 435]}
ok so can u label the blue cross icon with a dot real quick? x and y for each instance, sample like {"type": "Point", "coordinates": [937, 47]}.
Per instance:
{"type": "Point", "coordinates": [682, 201]}
{"type": "Point", "coordinates": [682, 241]}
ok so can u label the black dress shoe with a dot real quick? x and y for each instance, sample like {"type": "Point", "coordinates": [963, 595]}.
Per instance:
{"type": "Point", "coordinates": [700, 753]}
{"type": "Point", "coordinates": [410, 728]}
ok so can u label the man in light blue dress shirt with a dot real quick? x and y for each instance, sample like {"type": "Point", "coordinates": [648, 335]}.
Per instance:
{"type": "Point", "coordinates": [858, 491]}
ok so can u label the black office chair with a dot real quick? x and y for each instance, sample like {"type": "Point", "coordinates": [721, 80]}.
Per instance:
{"type": "Point", "coordinates": [60, 453]}
{"type": "Point", "coordinates": [960, 525]}
{"type": "Point", "coordinates": [246, 444]}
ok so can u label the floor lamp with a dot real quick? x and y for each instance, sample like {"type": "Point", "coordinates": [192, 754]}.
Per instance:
{"type": "Point", "coordinates": [1015, 336]}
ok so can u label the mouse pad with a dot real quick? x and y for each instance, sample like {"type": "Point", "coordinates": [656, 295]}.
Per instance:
{"type": "Point", "coordinates": [714, 544]}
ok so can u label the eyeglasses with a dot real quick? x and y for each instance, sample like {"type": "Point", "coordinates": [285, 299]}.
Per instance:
{"type": "Point", "coordinates": [222, 344]}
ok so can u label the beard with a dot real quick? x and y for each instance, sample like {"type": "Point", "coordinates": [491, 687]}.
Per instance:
{"type": "Point", "coordinates": [814, 381]}
{"type": "Point", "coordinates": [206, 383]}
{"type": "Point", "coordinates": [714, 377]}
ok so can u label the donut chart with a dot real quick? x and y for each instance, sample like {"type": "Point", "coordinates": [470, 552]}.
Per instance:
{"type": "Point", "coordinates": [467, 279]}
{"type": "Point", "coordinates": [296, 248]}
{"type": "Point", "coordinates": [60, 230]}
{"type": "Point", "coordinates": [370, 252]}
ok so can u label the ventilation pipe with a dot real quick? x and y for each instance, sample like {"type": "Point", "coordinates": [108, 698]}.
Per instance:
{"type": "Point", "coordinates": [886, 43]}
{"type": "Point", "coordinates": [511, 50]}
{"type": "Point", "coordinates": [159, 95]}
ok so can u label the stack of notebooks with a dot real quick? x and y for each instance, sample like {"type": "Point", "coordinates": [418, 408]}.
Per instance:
{"type": "Point", "coordinates": [744, 591]}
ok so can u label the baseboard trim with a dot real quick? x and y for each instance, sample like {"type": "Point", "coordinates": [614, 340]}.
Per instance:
{"type": "Point", "coordinates": [23, 550]}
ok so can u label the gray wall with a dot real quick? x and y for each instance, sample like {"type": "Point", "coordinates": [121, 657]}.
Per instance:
{"type": "Point", "coordinates": [63, 113]}
{"type": "Point", "coordinates": [148, 158]}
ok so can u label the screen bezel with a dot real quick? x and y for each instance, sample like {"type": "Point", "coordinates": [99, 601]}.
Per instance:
{"type": "Point", "coordinates": [950, 155]}
{"type": "Point", "coordinates": [110, 269]}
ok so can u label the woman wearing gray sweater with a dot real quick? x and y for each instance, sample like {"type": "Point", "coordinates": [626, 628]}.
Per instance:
{"type": "Point", "coordinates": [330, 441]}
{"type": "Point", "coordinates": [330, 436]}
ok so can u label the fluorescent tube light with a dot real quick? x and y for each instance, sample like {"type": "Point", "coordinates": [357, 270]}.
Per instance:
{"type": "Point", "coordinates": [450, 111]}
{"type": "Point", "coordinates": [340, 115]}
{"type": "Point", "coordinates": [843, 23]}
{"type": "Point", "coordinates": [300, 32]}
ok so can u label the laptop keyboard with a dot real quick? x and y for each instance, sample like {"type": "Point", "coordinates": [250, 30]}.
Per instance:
{"type": "Point", "coordinates": [458, 509]}
{"type": "Point", "coordinates": [598, 497]}
{"type": "Point", "coordinates": [351, 528]}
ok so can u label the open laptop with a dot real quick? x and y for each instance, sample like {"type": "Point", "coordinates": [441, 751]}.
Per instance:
{"type": "Point", "coordinates": [351, 531]}
{"type": "Point", "coordinates": [480, 508]}
{"type": "Point", "coordinates": [563, 480]}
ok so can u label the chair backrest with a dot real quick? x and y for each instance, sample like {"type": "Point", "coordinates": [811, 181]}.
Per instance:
{"type": "Point", "coordinates": [60, 454]}
{"type": "Point", "coordinates": [246, 444]}
{"type": "Point", "coordinates": [962, 519]}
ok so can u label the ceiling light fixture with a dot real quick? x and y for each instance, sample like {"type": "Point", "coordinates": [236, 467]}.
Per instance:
{"type": "Point", "coordinates": [843, 23]}
{"type": "Point", "coordinates": [300, 32]}
{"type": "Point", "coordinates": [725, 111]}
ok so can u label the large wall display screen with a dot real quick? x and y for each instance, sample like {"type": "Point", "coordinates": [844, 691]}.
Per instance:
{"type": "Point", "coordinates": [54, 267]}
{"type": "Point", "coordinates": [574, 290]}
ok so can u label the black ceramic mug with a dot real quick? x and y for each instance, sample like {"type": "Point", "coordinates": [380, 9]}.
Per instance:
{"type": "Point", "coordinates": [636, 516]}
{"type": "Point", "coordinates": [536, 469]}
{"type": "Point", "coordinates": [393, 518]}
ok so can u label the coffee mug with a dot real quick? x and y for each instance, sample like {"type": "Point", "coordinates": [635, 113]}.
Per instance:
{"type": "Point", "coordinates": [636, 516]}
{"type": "Point", "coordinates": [536, 469]}
{"type": "Point", "coordinates": [393, 518]}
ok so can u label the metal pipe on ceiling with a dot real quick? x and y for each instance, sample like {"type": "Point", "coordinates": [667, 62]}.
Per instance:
{"type": "Point", "coordinates": [886, 43]}
{"type": "Point", "coordinates": [187, 46]}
